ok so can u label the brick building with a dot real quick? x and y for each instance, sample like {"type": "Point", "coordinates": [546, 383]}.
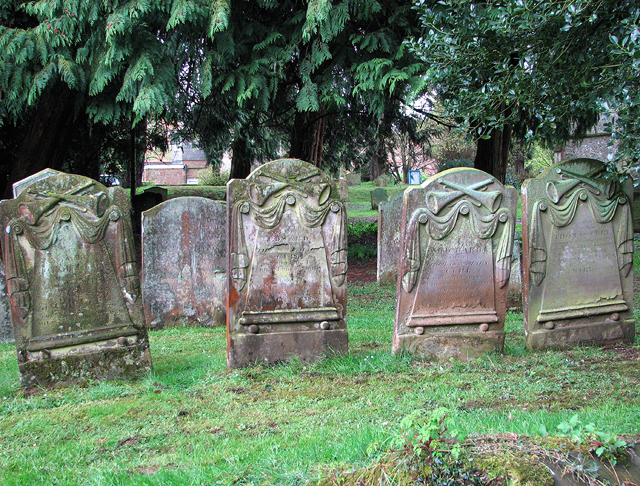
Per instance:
{"type": "Point", "coordinates": [181, 164]}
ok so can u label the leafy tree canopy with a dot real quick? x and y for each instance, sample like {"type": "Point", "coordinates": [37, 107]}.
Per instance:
{"type": "Point", "coordinates": [544, 69]}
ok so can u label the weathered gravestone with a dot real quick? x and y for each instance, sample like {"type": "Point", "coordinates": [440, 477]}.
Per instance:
{"type": "Point", "coordinates": [578, 256]}
{"type": "Point", "coordinates": [514, 295]}
{"type": "Point", "coordinates": [457, 238]}
{"type": "Point", "coordinates": [381, 181]}
{"type": "Point", "coordinates": [184, 259]}
{"type": "Point", "coordinates": [287, 264]}
{"type": "Point", "coordinates": [353, 179]}
{"type": "Point", "coordinates": [389, 217]}
{"type": "Point", "coordinates": [6, 327]}
{"type": "Point", "coordinates": [378, 196]}
{"type": "Point", "coordinates": [72, 281]}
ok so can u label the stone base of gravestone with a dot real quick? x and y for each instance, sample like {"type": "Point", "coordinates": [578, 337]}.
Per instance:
{"type": "Point", "coordinates": [307, 346]}
{"type": "Point", "coordinates": [568, 337]}
{"type": "Point", "coordinates": [378, 196]}
{"type": "Point", "coordinates": [463, 346]}
{"type": "Point", "coordinates": [85, 363]}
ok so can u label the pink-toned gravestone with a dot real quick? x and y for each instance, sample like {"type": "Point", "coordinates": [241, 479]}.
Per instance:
{"type": "Point", "coordinates": [184, 260]}
{"type": "Point", "coordinates": [456, 243]}
{"type": "Point", "coordinates": [72, 281]}
{"type": "Point", "coordinates": [577, 233]}
{"type": "Point", "coordinates": [389, 217]}
{"type": "Point", "coordinates": [287, 264]}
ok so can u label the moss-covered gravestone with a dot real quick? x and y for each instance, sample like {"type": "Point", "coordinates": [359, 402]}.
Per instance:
{"type": "Point", "coordinates": [72, 281]}
{"type": "Point", "coordinates": [389, 217]}
{"type": "Point", "coordinates": [184, 263]}
{"type": "Point", "coordinates": [287, 264]}
{"type": "Point", "coordinates": [456, 241]}
{"type": "Point", "coordinates": [578, 256]}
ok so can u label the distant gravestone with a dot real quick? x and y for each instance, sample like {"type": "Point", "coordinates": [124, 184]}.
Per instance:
{"type": "Point", "coordinates": [636, 209]}
{"type": "Point", "coordinates": [389, 217]}
{"type": "Point", "coordinates": [578, 256]}
{"type": "Point", "coordinates": [6, 327]}
{"type": "Point", "coordinates": [184, 259]}
{"type": "Point", "coordinates": [378, 196]}
{"type": "Point", "coordinates": [72, 282]}
{"type": "Point", "coordinates": [353, 179]}
{"type": "Point", "coordinates": [380, 181]}
{"type": "Point", "coordinates": [288, 264]}
{"type": "Point", "coordinates": [457, 238]}
{"type": "Point", "coordinates": [514, 296]}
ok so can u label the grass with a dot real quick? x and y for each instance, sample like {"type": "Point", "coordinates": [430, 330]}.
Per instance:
{"type": "Point", "coordinates": [360, 198]}
{"type": "Point", "coordinates": [192, 421]}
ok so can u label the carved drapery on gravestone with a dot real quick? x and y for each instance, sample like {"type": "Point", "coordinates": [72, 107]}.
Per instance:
{"type": "Point", "coordinates": [389, 217]}
{"type": "Point", "coordinates": [184, 259]}
{"type": "Point", "coordinates": [578, 256]}
{"type": "Point", "coordinates": [287, 264]}
{"type": "Point", "coordinates": [72, 282]}
{"type": "Point", "coordinates": [457, 239]}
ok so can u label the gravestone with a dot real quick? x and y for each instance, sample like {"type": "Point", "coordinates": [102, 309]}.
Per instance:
{"type": "Point", "coordinates": [184, 259]}
{"type": "Point", "coordinates": [578, 256]}
{"type": "Point", "coordinates": [72, 282]}
{"type": "Point", "coordinates": [456, 242]}
{"type": "Point", "coordinates": [380, 181]}
{"type": "Point", "coordinates": [514, 296]}
{"type": "Point", "coordinates": [378, 196]}
{"type": "Point", "coordinates": [636, 209]}
{"type": "Point", "coordinates": [6, 327]}
{"type": "Point", "coordinates": [353, 179]}
{"type": "Point", "coordinates": [389, 217]}
{"type": "Point", "coordinates": [287, 264]}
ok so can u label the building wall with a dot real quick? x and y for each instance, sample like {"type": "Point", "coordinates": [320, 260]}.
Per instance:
{"type": "Point", "coordinates": [165, 174]}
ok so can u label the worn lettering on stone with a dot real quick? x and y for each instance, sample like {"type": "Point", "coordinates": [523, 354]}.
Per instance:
{"type": "Point", "coordinates": [184, 258]}
{"type": "Point", "coordinates": [288, 263]}
{"type": "Point", "coordinates": [72, 281]}
{"type": "Point", "coordinates": [578, 256]}
{"type": "Point", "coordinates": [457, 239]}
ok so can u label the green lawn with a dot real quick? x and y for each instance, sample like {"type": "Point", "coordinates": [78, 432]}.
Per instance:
{"type": "Point", "coordinates": [192, 421]}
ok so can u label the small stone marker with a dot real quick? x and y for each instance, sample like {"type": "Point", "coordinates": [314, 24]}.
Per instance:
{"type": "Point", "coordinates": [72, 282]}
{"type": "Point", "coordinates": [184, 260]}
{"type": "Point", "coordinates": [378, 196]}
{"type": "Point", "coordinates": [287, 264]}
{"type": "Point", "coordinates": [457, 238]}
{"type": "Point", "coordinates": [578, 256]}
{"type": "Point", "coordinates": [389, 217]}
{"type": "Point", "coordinates": [353, 179]}
{"type": "Point", "coordinates": [380, 181]}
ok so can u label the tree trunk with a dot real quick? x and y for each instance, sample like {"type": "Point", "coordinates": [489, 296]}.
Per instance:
{"type": "Point", "coordinates": [378, 161]}
{"type": "Point", "coordinates": [48, 136]}
{"type": "Point", "coordinates": [493, 153]}
{"type": "Point", "coordinates": [307, 137]}
{"type": "Point", "coordinates": [240, 160]}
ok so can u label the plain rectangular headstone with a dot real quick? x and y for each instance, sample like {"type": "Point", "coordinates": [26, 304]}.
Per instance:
{"type": "Point", "coordinates": [455, 261]}
{"type": "Point", "coordinates": [389, 217]}
{"type": "Point", "coordinates": [72, 281]}
{"type": "Point", "coordinates": [353, 179]}
{"type": "Point", "coordinates": [378, 195]}
{"type": "Point", "coordinates": [287, 265]}
{"type": "Point", "coordinates": [578, 256]}
{"type": "Point", "coordinates": [184, 259]}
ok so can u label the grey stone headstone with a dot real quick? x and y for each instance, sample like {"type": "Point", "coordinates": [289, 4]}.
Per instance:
{"type": "Point", "coordinates": [353, 179]}
{"type": "Point", "coordinates": [6, 327]}
{"type": "Point", "coordinates": [455, 261]}
{"type": "Point", "coordinates": [378, 196]}
{"type": "Point", "coordinates": [184, 260]}
{"type": "Point", "coordinates": [287, 264]}
{"type": "Point", "coordinates": [380, 181]}
{"type": "Point", "coordinates": [577, 235]}
{"type": "Point", "coordinates": [389, 217]}
{"type": "Point", "coordinates": [72, 281]}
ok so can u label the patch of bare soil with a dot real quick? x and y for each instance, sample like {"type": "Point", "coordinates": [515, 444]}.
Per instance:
{"type": "Point", "coordinates": [362, 271]}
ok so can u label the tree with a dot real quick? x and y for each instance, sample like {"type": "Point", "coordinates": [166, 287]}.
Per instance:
{"type": "Point", "coordinates": [530, 70]}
